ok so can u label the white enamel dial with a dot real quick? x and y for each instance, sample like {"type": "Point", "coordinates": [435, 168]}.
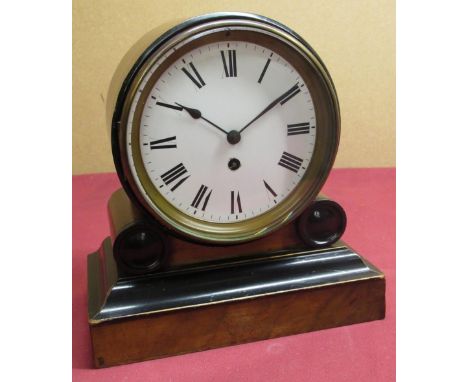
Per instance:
{"type": "Point", "coordinates": [225, 86]}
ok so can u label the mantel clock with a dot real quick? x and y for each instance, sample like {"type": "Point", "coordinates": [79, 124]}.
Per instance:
{"type": "Point", "coordinates": [224, 129]}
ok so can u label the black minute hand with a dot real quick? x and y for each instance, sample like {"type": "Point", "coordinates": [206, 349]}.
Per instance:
{"type": "Point", "coordinates": [196, 114]}
{"type": "Point", "coordinates": [282, 97]}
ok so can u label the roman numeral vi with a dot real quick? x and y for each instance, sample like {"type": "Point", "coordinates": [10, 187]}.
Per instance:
{"type": "Point", "coordinates": [235, 203]}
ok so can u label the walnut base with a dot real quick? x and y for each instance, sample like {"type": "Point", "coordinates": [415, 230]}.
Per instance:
{"type": "Point", "coordinates": [224, 303]}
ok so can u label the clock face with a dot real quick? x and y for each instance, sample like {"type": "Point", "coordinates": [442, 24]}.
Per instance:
{"type": "Point", "coordinates": [226, 132]}
{"type": "Point", "coordinates": [224, 128]}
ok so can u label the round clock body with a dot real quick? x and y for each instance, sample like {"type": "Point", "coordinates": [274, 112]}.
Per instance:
{"type": "Point", "coordinates": [225, 128]}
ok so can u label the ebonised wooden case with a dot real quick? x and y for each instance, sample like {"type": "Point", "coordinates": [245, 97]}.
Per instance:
{"type": "Point", "coordinates": [206, 305]}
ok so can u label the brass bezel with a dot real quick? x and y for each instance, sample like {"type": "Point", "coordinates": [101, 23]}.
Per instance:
{"type": "Point", "coordinates": [327, 131]}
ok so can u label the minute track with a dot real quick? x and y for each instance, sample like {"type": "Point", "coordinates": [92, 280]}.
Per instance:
{"type": "Point", "coordinates": [202, 118]}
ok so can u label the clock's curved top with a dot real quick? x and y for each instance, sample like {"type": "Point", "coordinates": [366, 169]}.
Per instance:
{"type": "Point", "coordinates": [225, 128]}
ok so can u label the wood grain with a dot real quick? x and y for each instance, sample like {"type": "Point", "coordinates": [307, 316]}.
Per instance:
{"type": "Point", "coordinates": [184, 252]}
{"type": "Point", "coordinates": [189, 330]}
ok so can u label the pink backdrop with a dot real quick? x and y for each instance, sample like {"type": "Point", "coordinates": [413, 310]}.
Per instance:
{"type": "Point", "coordinates": [362, 352]}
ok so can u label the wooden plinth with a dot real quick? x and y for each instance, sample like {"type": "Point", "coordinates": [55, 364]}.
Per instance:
{"type": "Point", "coordinates": [226, 304]}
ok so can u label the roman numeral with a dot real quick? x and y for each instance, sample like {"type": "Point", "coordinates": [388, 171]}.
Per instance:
{"type": "Point", "coordinates": [291, 162]}
{"type": "Point", "coordinates": [264, 70]}
{"type": "Point", "coordinates": [174, 174]}
{"type": "Point", "coordinates": [199, 197]}
{"type": "Point", "coordinates": [159, 144]}
{"type": "Point", "coordinates": [299, 128]}
{"type": "Point", "coordinates": [290, 93]}
{"type": "Point", "coordinates": [169, 106]}
{"type": "Point", "coordinates": [235, 202]}
{"type": "Point", "coordinates": [230, 71]}
{"type": "Point", "coordinates": [200, 83]}
{"type": "Point", "coordinates": [268, 187]}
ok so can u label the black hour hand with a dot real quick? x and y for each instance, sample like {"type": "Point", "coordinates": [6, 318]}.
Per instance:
{"type": "Point", "coordinates": [194, 113]}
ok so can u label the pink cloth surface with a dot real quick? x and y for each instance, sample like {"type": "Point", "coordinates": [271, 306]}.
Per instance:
{"type": "Point", "coordinates": [361, 352]}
